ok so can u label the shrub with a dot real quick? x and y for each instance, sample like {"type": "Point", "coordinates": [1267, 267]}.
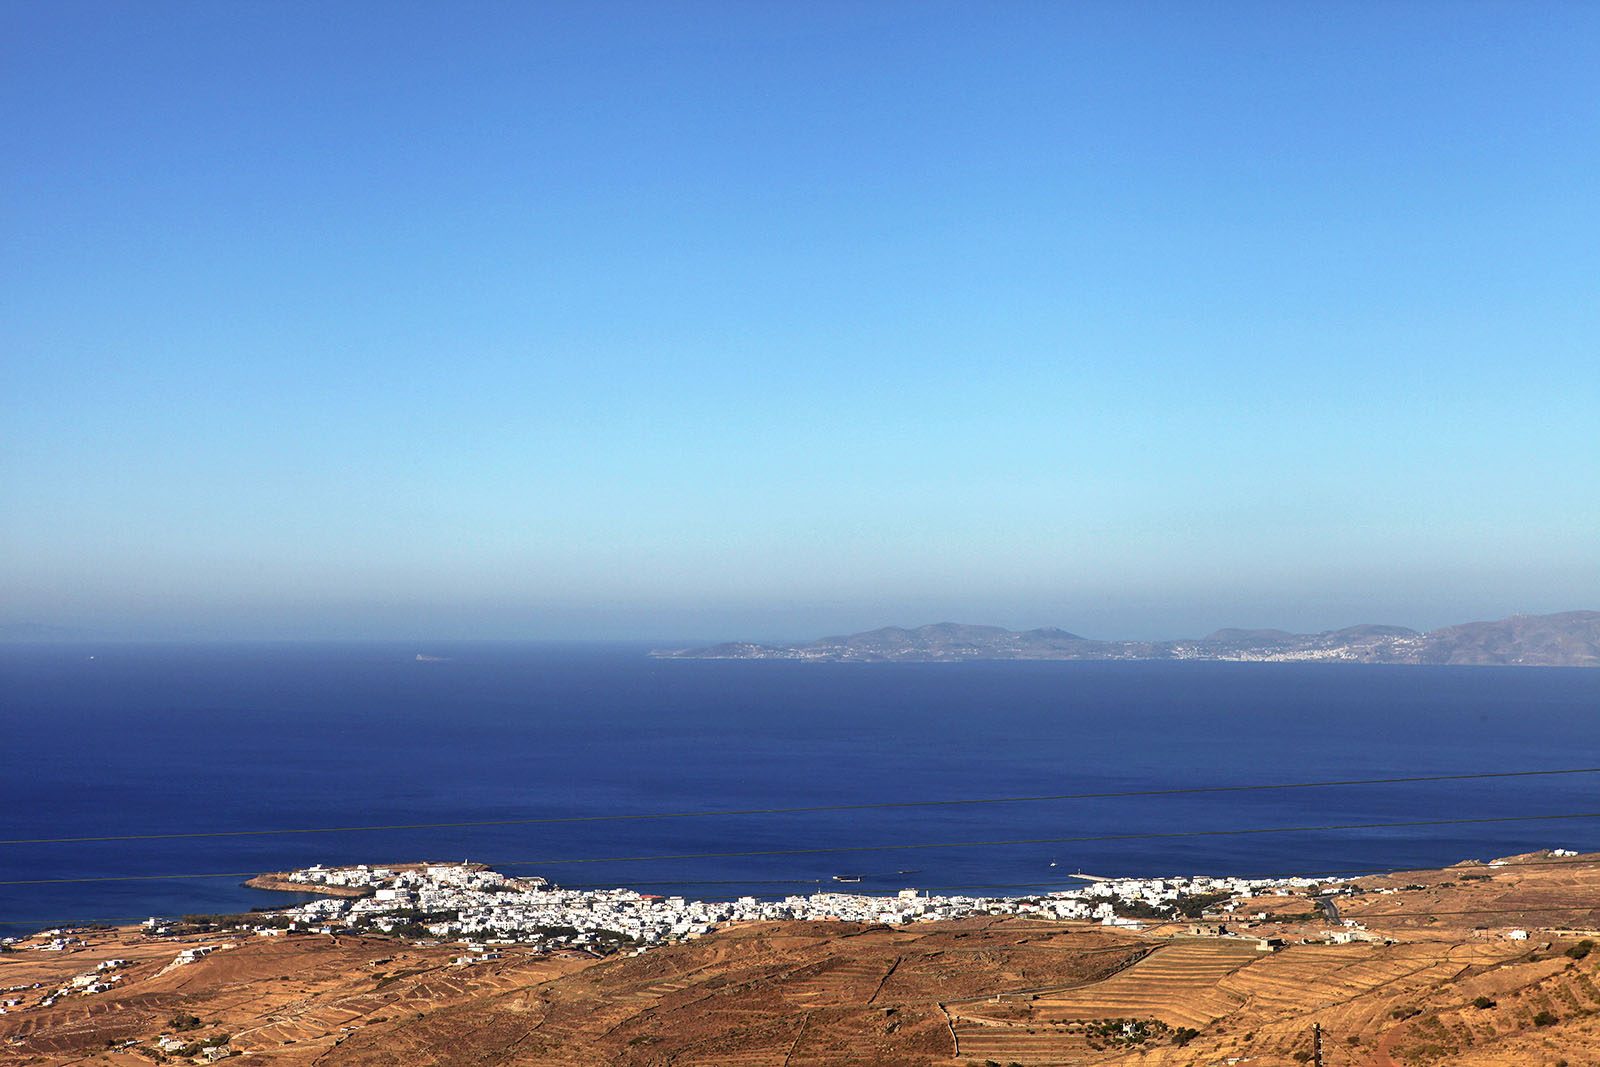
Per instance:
{"type": "Point", "coordinates": [1546, 1018]}
{"type": "Point", "coordinates": [1482, 1002]}
{"type": "Point", "coordinates": [1193, 905]}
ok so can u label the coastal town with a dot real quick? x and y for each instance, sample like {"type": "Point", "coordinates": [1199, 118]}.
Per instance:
{"type": "Point", "coordinates": [454, 901]}
{"type": "Point", "coordinates": [1491, 958]}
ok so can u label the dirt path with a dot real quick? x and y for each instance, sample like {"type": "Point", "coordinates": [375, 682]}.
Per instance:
{"type": "Point", "coordinates": [1380, 1055]}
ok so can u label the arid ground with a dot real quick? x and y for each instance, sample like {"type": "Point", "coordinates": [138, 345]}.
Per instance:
{"type": "Point", "coordinates": [1443, 980]}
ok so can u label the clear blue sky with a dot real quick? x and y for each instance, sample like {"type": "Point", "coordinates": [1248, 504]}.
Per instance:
{"type": "Point", "coordinates": [685, 320]}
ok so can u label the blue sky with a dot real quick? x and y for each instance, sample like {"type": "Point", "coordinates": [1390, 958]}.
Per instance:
{"type": "Point", "coordinates": [713, 320]}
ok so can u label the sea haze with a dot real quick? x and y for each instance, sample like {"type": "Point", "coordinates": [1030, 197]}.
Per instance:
{"type": "Point", "coordinates": [123, 740]}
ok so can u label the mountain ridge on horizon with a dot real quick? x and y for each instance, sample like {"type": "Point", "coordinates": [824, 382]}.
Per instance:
{"type": "Point", "coordinates": [1563, 639]}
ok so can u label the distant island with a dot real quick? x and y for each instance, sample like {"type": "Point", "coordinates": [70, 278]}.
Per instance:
{"type": "Point", "coordinates": [1568, 639]}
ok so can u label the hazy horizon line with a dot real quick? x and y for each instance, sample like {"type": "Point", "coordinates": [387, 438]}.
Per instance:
{"type": "Point", "coordinates": [33, 632]}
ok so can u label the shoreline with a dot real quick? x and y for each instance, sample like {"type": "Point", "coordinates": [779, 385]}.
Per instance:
{"type": "Point", "coordinates": [278, 882]}
{"type": "Point", "coordinates": [285, 882]}
{"type": "Point", "coordinates": [450, 902]}
{"type": "Point", "coordinates": [1476, 943]}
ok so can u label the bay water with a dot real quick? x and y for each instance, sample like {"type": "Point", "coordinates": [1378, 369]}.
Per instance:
{"type": "Point", "coordinates": [324, 744]}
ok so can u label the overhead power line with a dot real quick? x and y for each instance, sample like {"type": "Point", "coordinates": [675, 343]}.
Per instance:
{"type": "Point", "coordinates": [1040, 840]}
{"type": "Point", "coordinates": [824, 883]}
{"type": "Point", "coordinates": [1081, 880]}
{"type": "Point", "coordinates": [1034, 926]}
{"type": "Point", "coordinates": [1188, 790]}
{"type": "Point", "coordinates": [902, 846]}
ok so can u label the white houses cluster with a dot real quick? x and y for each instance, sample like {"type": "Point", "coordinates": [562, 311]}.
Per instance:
{"type": "Point", "coordinates": [462, 900]}
{"type": "Point", "coordinates": [100, 980]}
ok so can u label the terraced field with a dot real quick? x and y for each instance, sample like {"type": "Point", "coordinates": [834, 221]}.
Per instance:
{"type": "Point", "coordinates": [1177, 984]}
{"type": "Point", "coordinates": [1307, 979]}
{"type": "Point", "coordinates": [1020, 1044]}
{"type": "Point", "coordinates": [825, 994]}
{"type": "Point", "coordinates": [1180, 984]}
{"type": "Point", "coordinates": [1355, 991]}
{"type": "Point", "coordinates": [838, 980]}
{"type": "Point", "coordinates": [1508, 1032]}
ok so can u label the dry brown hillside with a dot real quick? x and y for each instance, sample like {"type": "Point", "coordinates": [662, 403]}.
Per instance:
{"type": "Point", "coordinates": [1438, 980]}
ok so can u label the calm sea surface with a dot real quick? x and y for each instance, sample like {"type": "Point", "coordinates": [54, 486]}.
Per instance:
{"type": "Point", "coordinates": [124, 740]}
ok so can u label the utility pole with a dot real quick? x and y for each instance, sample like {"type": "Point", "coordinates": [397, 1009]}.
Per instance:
{"type": "Point", "coordinates": [1316, 1044]}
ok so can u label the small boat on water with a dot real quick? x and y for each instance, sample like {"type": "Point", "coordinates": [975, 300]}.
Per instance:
{"type": "Point", "coordinates": [859, 877]}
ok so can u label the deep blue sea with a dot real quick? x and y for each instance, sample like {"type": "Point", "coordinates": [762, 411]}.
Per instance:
{"type": "Point", "coordinates": [213, 739]}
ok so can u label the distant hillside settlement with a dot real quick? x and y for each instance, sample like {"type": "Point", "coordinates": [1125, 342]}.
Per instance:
{"type": "Point", "coordinates": [1568, 639]}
